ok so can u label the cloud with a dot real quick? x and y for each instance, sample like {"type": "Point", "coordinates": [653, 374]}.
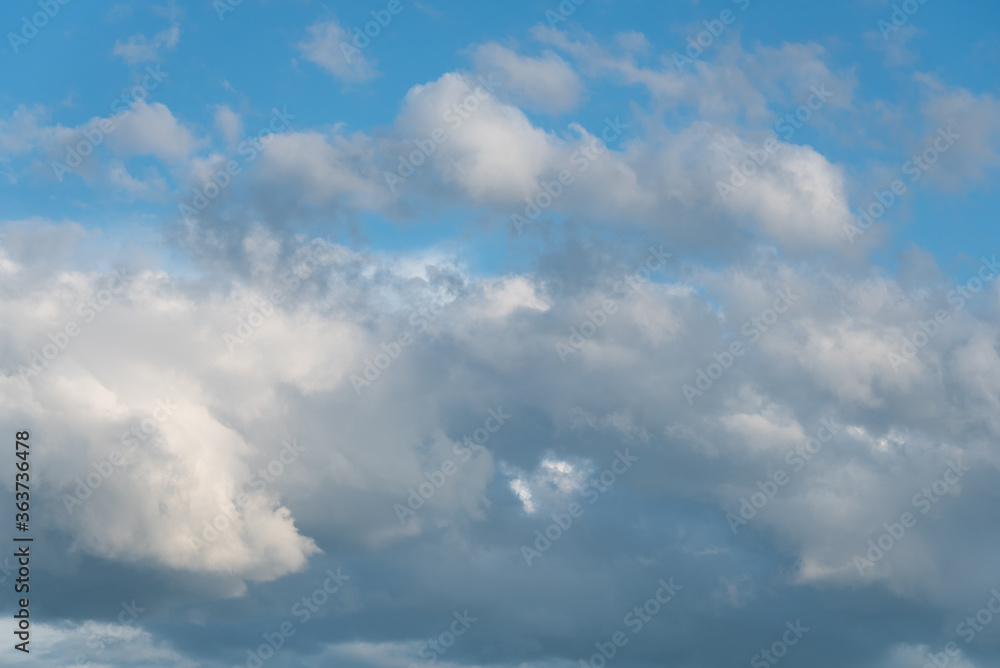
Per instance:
{"type": "Point", "coordinates": [332, 48]}
{"type": "Point", "coordinates": [972, 117]}
{"type": "Point", "coordinates": [489, 153]}
{"type": "Point", "coordinates": [546, 83]}
{"type": "Point", "coordinates": [109, 642]}
{"type": "Point", "coordinates": [140, 49]}
{"type": "Point", "coordinates": [229, 123]}
{"type": "Point", "coordinates": [490, 343]}
{"type": "Point", "coordinates": [152, 129]}
{"type": "Point", "coordinates": [22, 131]}
{"type": "Point", "coordinates": [258, 336]}
{"type": "Point", "coordinates": [120, 179]}
{"type": "Point", "coordinates": [495, 154]}
{"type": "Point", "coordinates": [897, 54]}
{"type": "Point", "coordinates": [737, 82]}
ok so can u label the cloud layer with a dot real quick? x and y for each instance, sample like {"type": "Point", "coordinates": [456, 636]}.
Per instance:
{"type": "Point", "coordinates": [676, 364]}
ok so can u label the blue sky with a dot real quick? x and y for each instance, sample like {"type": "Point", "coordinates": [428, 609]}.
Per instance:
{"type": "Point", "coordinates": [620, 342]}
{"type": "Point", "coordinates": [249, 61]}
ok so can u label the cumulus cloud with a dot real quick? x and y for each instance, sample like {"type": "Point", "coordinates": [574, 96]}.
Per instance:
{"type": "Point", "coordinates": [495, 154]}
{"type": "Point", "coordinates": [493, 345]}
{"type": "Point", "coordinates": [233, 420]}
{"type": "Point", "coordinates": [152, 129]}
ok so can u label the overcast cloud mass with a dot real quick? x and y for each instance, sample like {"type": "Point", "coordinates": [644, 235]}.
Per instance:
{"type": "Point", "coordinates": [533, 334]}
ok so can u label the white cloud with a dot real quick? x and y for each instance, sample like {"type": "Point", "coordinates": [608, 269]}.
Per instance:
{"type": "Point", "coordinates": [140, 49]}
{"type": "Point", "coordinates": [496, 154]}
{"type": "Point", "coordinates": [152, 129]}
{"type": "Point", "coordinates": [332, 48]}
{"type": "Point", "coordinates": [546, 83]}
{"type": "Point", "coordinates": [315, 167]}
{"type": "Point", "coordinates": [494, 344]}
{"type": "Point", "coordinates": [229, 123]}
{"type": "Point", "coordinates": [974, 118]}
{"type": "Point", "coordinates": [257, 341]}
{"type": "Point", "coordinates": [100, 643]}
{"type": "Point", "coordinates": [797, 198]}
{"type": "Point", "coordinates": [120, 179]}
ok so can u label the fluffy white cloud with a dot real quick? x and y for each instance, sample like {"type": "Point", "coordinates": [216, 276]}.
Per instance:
{"type": "Point", "coordinates": [493, 152]}
{"type": "Point", "coordinates": [152, 129]}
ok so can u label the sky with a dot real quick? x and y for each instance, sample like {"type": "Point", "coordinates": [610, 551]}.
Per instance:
{"type": "Point", "coordinates": [535, 334]}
